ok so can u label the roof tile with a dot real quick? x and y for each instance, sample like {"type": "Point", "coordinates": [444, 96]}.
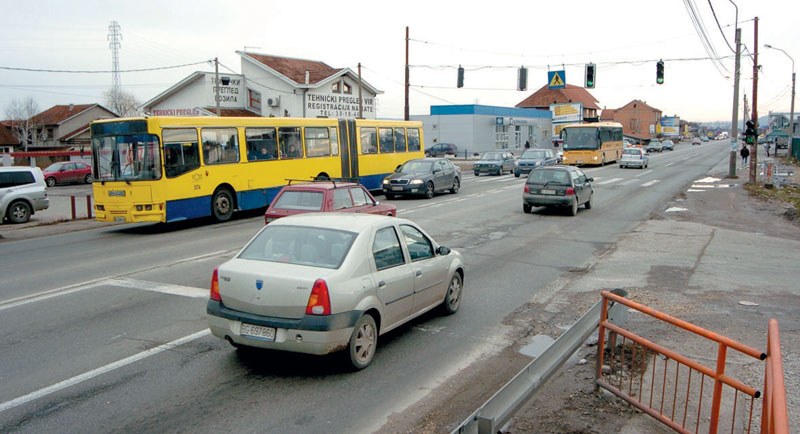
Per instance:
{"type": "Point", "coordinates": [545, 96]}
{"type": "Point", "coordinates": [59, 113]}
{"type": "Point", "coordinates": [295, 69]}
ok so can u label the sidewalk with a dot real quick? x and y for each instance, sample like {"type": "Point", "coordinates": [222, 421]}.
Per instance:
{"type": "Point", "coordinates": [713, 256]}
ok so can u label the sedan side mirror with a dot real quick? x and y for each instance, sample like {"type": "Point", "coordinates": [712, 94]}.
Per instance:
{"type": "Point", "coordinates": [442, 250]}
{"type": "Point", "coordinates": [589, 179]}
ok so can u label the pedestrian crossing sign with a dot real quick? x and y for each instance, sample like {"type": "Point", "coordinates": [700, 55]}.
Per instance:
{"type": "Point", "coordinates": [556, 79]}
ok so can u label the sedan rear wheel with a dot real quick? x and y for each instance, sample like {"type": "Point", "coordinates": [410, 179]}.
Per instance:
{"type": "Point", "coordinates": [527, 208]}
{"type": "Point", "coordinates": [88, 179]}
{"type": "Point", "coordinates": [588, 203]}
{"type": "Point", "coordinates": [50, 181]}
{"type": "Point", "coordinates": [363, 341]}
{"type": "Point", "coordinates": [456, 185]}
{"type": "Point", "coordinates": [429, 190]}
{"type": "Point", "coordinates": [19, 212]}
{"type": "Point", "coordinates": [573, 210]}
{"type": "Point", "coordinates": [452, 300]}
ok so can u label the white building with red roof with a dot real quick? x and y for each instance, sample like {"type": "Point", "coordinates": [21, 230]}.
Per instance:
{"type": "Point", "coordinates": [270, 86]}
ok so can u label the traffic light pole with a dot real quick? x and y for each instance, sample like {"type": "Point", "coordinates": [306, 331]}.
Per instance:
{"type": "Point", "coordinates": [735, 118]}
{"type": "Point", "coordinates": [754, 151]}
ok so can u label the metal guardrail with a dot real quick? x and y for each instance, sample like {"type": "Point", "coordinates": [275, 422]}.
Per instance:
{"type": "Point", "coordinates": [501, 407]}
{"type": "Point", "coordinates": [774, 418]}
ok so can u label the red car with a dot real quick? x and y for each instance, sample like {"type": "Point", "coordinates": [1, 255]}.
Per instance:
{"type": "Point", "coordinates": [325, 196]}
{"type": "Point", "coordinates": [67, 171]}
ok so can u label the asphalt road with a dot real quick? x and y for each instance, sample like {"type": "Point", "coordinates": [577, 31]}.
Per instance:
{"type": "Point", "coordinates": [105, 330]}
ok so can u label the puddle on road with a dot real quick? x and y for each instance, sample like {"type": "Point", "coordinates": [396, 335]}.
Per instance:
{"type": "Point", "coordinates": [537, 346]}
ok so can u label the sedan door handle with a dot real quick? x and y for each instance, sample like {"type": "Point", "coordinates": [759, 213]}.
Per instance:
{"type": "Point", "coordinates": [419, 273]}
{"type": "Point", "coordinates": [381, 284]}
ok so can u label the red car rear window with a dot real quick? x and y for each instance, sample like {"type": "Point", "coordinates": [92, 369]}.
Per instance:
{"type": "Point", "coordinates": [300, 200]}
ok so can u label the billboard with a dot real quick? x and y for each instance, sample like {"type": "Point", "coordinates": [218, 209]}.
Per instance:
{"type": "Point", "coordinates": [568, 112]}
{"type": "Point", "coordinates": [671, 126]}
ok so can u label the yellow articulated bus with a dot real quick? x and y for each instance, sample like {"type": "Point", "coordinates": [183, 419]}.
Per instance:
{"type": "Point", "coordinates": [166, 169]}
{"type": "Point", "coordinates": [595, 143]}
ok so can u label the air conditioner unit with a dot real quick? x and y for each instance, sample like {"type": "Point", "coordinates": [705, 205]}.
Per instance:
{"type": "Point", "coordinates": [274, 102]}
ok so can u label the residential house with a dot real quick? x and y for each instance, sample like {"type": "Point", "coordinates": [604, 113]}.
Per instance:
{"type": "Point", "coordinates": [66, 126]}
{"type": "Point", "coordinates": [545, 97]}
{"type": "Point", "coordinates": [638, 119]}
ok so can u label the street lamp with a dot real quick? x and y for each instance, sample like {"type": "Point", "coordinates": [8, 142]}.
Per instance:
{"type": "Point", "coordinates": [791, 114]}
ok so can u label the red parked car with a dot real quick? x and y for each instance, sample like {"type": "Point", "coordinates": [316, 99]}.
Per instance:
{"type": "Point", "coordinates": [325, 196]}
{"type": "Point", "coordinates": [67, 171]}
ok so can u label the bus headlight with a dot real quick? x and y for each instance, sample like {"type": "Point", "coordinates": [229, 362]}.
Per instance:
{"type": "Point", "coordinates": [416, 181]}
{"type": "Point", "coordinates": [594, 157]}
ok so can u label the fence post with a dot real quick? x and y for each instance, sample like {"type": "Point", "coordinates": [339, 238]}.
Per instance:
{"type": "Point", "coordinates": [89, 206]}
{"type": "Point", "coordinates": [715, 403]}
{"type": "Point", "coordinates": [72, 202]}
{"type": "Point", "coordinates": [601, 343]}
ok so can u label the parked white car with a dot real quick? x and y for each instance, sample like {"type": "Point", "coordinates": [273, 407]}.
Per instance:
{"type": "Point", "coordinates": [22, 193]}
{"type": "Point", "coordinates": [319, 283]}
{"type": "Point", "coordinates": [634, 157]}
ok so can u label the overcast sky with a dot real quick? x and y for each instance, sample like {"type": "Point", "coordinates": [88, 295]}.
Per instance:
{"type": "Point", "coordinates": [490, 40]}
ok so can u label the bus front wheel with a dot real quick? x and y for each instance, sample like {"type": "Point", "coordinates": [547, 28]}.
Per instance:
{"type": "Point", "coordinates": [222, 205]}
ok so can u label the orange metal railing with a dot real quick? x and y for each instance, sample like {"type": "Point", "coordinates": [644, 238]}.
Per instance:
{"type": "Point", "coordinates": [625, 376]}
{"type": "Point", "coordinates": [774, 417]}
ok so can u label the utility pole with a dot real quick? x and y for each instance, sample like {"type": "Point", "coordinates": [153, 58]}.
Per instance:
{"type": "Point", "coordinates": [216, 83]}
{"type": "Point", "coordinates": [753, 152]}
{"type": "Point", "coordinates": [360, 104]}
{"type": "Point", "coordinates": [735, 120]}
{"type": "Point", "coordinates": [791, 121]}
{"type": "Point", "coordinates": [406, 109]}
{"type": "Point", "coordinates": [745, 110]}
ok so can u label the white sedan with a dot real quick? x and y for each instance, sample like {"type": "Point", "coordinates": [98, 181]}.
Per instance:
{"type": "Point", "coordinates": [324, 282]}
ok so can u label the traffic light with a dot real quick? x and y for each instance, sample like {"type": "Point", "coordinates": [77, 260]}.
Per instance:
{"type": "Point", "coordinates": [460, 76]}
{"type": "Point", "coordinates": [522, 78]}
{"type": "Point", "coordinates": [660, 72]}
{"type": "Point", "coordinates": [750, 132]}
{"type": "Point", "coordinates": [590, 74]}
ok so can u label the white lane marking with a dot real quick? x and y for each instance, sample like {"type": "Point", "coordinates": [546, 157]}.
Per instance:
{"type": "Point", "coordinates": [164, 288]}
{"type": "Point", "coordinates": [671, 164]}
{"type": "Point", "coordinates": [643, 173]}
{"type": "Point", "coordinates": [649, 183]}
{"type": "Point", "coordinates": [702, 186]}
{"type": "Point", "coordinates": [64, 290]}
{"type": "Point", "coordinates": [100, 371]}
{"type": "Point", "coordinates": [609, 181]}
{"type": "Point", "coordinates": [695, 190]}
{"type": "Point", "coordinates": [708, 179]}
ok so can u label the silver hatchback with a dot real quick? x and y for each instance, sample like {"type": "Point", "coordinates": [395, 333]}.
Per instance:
{"type": "Point", "coordinates": [634, 157]}
{"type": "Point", "coordinates": [22, 193]}
{"type": "Point", "coordinates": [320, 283]}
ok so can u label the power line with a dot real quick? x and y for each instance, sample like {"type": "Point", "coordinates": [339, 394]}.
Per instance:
{"type": "Point", "coordinates": [614, 63]}
{"type": "Point", "coordinates": [720, 27]}
{"type": "Point", "coordinates": [67, 71]}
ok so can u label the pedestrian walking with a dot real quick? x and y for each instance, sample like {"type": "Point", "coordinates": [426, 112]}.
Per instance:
{"type": "Point", "coordinates": [745, 154]}
{"type": "Point", "coordinates": [766, 147]}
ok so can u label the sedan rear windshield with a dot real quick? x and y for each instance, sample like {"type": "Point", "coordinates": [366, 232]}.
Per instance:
{"type": "Point", "coordinates": [300, 245]}
{"type": "Point", "coordinates": [302, 200]}
{"type": "Point", "coordinates": [632, 152]}
{"type": "Point", "coordinates": [549, 176]}
{"type": "Point", "coordinates": [492, 156]}
{"type": "Point", "coordinates": [534, 155]}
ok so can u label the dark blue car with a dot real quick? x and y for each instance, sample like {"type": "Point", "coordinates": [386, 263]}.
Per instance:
{"type": "Point", "coordinates": [533, 158]}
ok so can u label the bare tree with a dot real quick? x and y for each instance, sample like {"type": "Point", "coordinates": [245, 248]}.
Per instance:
{"type": "Point", "coordinates": [125, 105]}
{"type": "Point", "coordinates": [21, 113]}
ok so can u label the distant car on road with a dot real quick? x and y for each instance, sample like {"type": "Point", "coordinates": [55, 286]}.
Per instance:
{"type": "Point", "coordinates": [654, 146]}
{"type": "Point", "coordinates": [423, 176]}
{"type": "Point", "coordinates": [22, 193]}
{"type": "Point", "coordinates": [67, 171]}
{"type": "Point", "coordinates": [557, 186]}
{"type": "Point", "coordinates": [325, 196]}
{"type": "Point", "coordinates": [494, 162]}
{"type": "Point", "coordinates": [696, 141]}
{"type": "Point", "coordinates": [533, 158]}
{"type": "Point", "coordinates": [634, 157]}
{"type": "Point", "coordinates": [705, 139]}
{"type": "Point", "coordinates": [668, 145]}
{"type": "Point", "coordinates": [325, 282]}
{"type": "Point", "coordinates": [441, 149]}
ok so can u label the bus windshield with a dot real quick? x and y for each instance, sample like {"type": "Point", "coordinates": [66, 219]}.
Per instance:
{"type": "Point", "coordinates": [133, 157]}
{"type": "Point", "coordinates": [580, 138]}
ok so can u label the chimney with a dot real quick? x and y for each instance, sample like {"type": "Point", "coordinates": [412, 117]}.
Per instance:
{"type": "Point", "coordinates": [307, 77]}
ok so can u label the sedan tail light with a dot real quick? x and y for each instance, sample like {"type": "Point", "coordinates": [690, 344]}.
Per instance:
{"type": "Point", "coordinates": [215, 287]}
{"type": "Point", "coordinates": [570, 191]}
{"type": "Point", "coordinates": [527, 189]}
{"type": "Point", "coordinates": [319, 302]}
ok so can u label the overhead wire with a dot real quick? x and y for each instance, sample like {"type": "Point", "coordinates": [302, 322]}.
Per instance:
{"type": "Point", "coordinates": [69, 71]}
{"type": "Point", "coordinates": [720, 27]}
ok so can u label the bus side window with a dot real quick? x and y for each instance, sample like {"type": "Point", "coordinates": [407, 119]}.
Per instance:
{"type": "Point", "coordinates": [334, 141]}
{"type": "Point", "coordinates": [289, 142]}
{"type": "Point", "coordinates": [413, 139]}
{"type": "Point", "coordinates": [317, 142]}
{"type": "Point", "coordinates": [181, 152]}
{"type": "Point", "coordinates": [220, 145]}
{"type": "Point", "coordinates": [400, 139]}
{"type": "Point", "coordinates": [386, 140]}
{"type": "Point", "coordinates": [369, 140]}
{"type": "Point", "coordinates": [261, 144]}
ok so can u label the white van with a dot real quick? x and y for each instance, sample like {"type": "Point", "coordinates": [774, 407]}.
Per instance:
{"type": "Point", "coordinates": [22, 193]}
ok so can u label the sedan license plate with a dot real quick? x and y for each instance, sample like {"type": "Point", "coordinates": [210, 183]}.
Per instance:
{"type": "Point", "coordinates": [579, 162]}
{"type": "Point", "coordinates": [119, 219]}
{"type": "Point", "coordinates": [397, 188]}
{"type": "Point", "coordinates": [259, 332]}
{"type": "Point", "coordinates": [548, 192]}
